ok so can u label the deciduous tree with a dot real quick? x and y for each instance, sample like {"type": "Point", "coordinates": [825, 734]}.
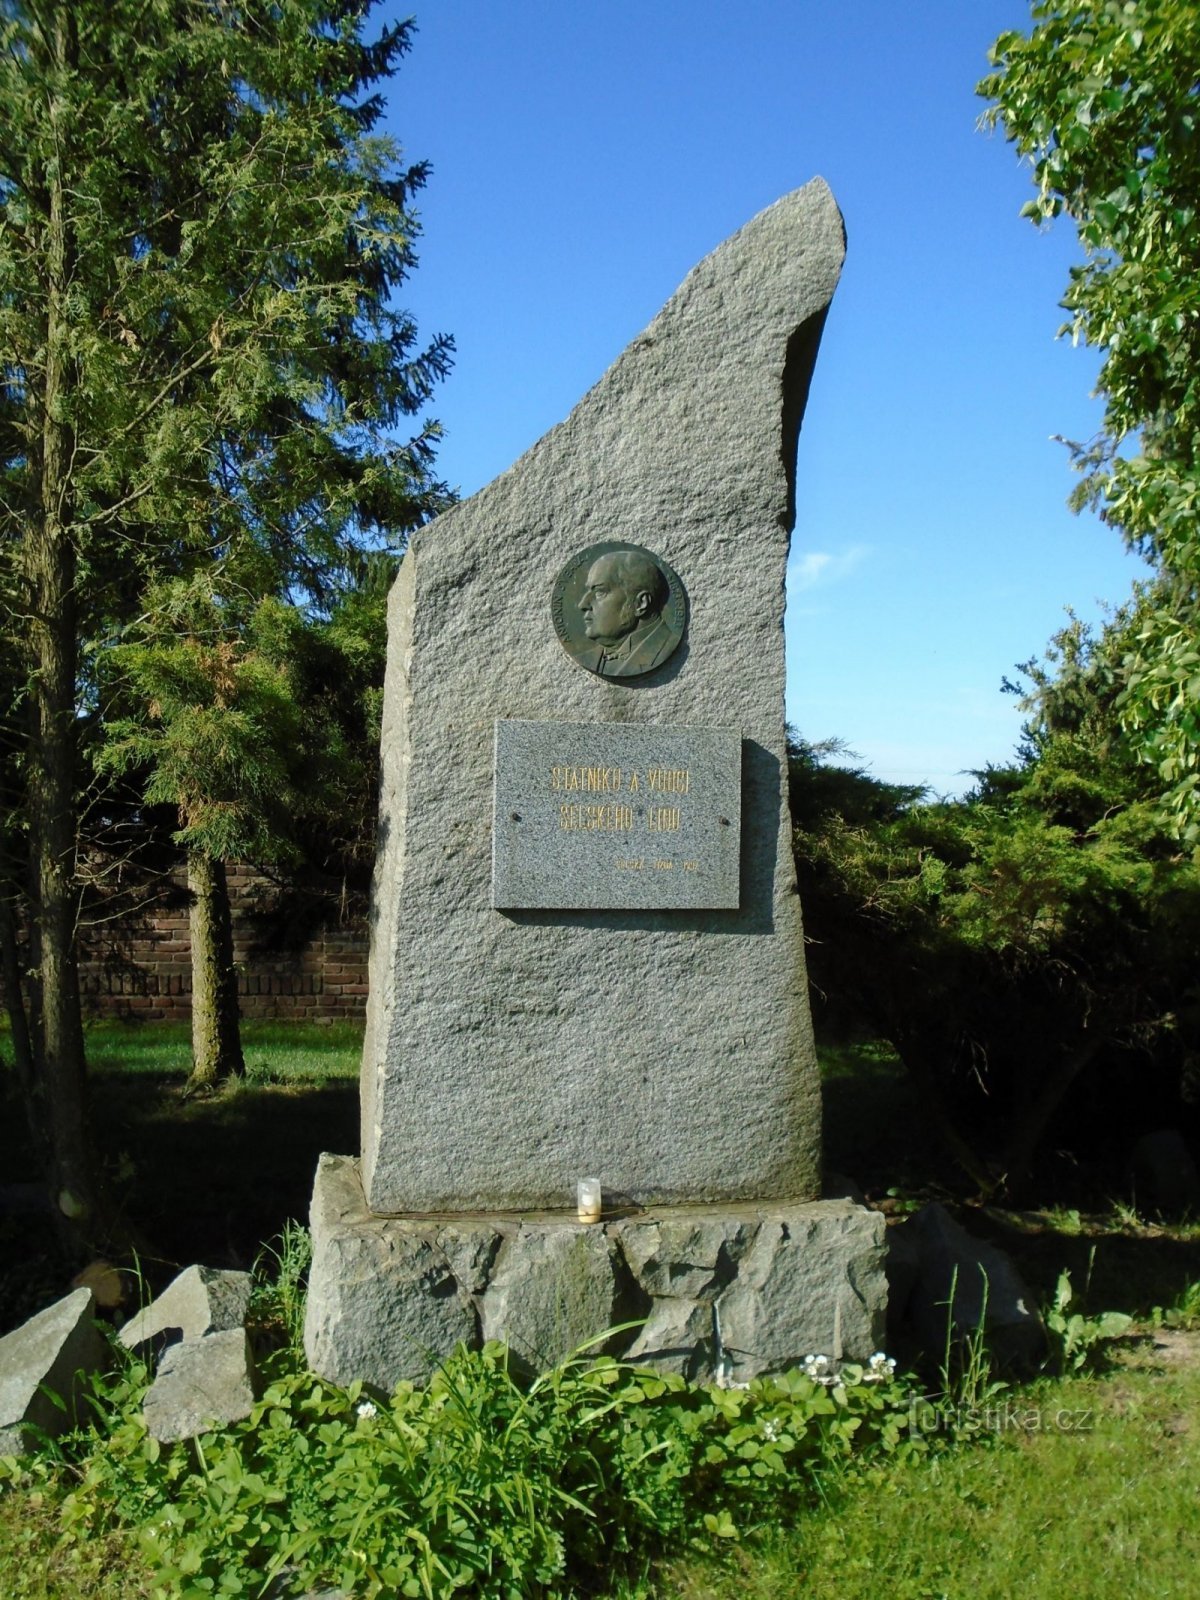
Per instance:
{"type": "Point", "coordinates": [1103, 98]}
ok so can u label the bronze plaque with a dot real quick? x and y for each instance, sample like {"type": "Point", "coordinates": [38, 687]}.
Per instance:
{"type": "Point", "coordinates": [618, 610]}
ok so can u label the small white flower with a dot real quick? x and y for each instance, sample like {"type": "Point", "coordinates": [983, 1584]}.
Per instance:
{"type": "Point", "coordinates": [367, 1408]}
{"type": "Point", "coordinates": [771, 1430]}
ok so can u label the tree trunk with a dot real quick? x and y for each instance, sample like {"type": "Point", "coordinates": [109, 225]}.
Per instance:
{"type": "Point", "coordinates": [216, 1034]}
{"type": "Point", "coordinates": [49, 569]}
{"type": "Point", "coordinates": [914, 1052]}
{"type": "Point", "coordinates": [18, 1021]}
{"type": "Point", "coordinates": [1030, 1126]}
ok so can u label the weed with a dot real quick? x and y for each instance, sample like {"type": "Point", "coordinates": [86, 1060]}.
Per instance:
{"type": "Point", "coordinates": [1182, 1313]}
{"type": "Point", "coordinates": [479, 1484]}
{"type": "Point", "coordinates": [1077, 1340]}
{"type": "Point", "coordinates": [966, 1373]}
{"type": "Point", "coordinates": [281, 1278]}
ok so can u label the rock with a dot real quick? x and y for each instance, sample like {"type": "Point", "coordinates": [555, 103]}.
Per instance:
{"type": "Point", "coordinates": [902, 1265]}
{"type": "Point", "coordinates": [812, 1282]}
{"type": "Point", "coordinates": [201, 1300]}
{"type": "Point", "coordinates": [384, 1301]}
{"type": "Point", "coordinates": [686, 1254]}
{"type": "Point", "coordinates": [766, 1285]}
{"type": "Point", "coordinates": [763, 1286]}
{"type": "Point", "coordinates": [201, 1383]}
{"type": "Point", "coordinates": [950, 1262]}
{"type": "Point", "coordinates": [54, 1350]}
{"type": "Point", "coordinates": [553, 1288]}
{"type": "Point", "coordinates": [1164, 1174]}
{"type": "Point", "coordinates": [667, 1052]}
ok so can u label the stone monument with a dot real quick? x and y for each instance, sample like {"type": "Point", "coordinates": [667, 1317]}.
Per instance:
{"type": "Point", "coordinates": [587, 957]}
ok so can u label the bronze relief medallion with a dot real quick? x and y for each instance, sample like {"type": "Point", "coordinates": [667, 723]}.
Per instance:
{"type": "Point", "coordinates": [618, 609]}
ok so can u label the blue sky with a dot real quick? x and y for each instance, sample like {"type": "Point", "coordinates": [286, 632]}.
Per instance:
{"type": "Point", "coordinates": [587, 155]}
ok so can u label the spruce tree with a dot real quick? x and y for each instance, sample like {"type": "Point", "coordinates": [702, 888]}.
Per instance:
{"type": "Point", "coordinates": [203, 371]}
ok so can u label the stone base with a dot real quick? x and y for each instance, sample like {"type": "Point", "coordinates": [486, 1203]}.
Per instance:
{"type": "Point", "coordinates": [747, 1288]}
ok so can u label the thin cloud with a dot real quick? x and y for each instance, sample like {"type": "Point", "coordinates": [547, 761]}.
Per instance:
{"type": "Point", "coordinates": [820, 567]}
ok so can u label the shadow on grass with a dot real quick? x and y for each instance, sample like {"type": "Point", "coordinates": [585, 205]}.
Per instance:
{"type": "Point", "coordinates": [206, 1180]}
{"type": "Point", "coordinates": [874, 1129]}
{"type": "Point", "coordinates": [211, 1179]}
{"type": "Point", "coordinates": [876, 1134]}
{"type": "Point", "coordinates": [1134, 1268]}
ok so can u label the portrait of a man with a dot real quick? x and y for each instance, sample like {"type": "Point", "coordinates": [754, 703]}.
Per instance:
{"type": "Point", "coordinates": [622, 603]}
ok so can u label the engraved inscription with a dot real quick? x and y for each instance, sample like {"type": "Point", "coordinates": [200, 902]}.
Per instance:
{"type": "Point", "coordinates": [608, 819]}
{"type": "Point", "coordinates": [612, 815]}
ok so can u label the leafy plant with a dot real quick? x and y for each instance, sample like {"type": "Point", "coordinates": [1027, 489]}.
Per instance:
{"type": "Point", "coordinates": [1182, 1313]}
{"type": "Point", "coordinates": [477, 1484]}
{"type": "Point", "coordinates": [1077, 1339]}
{"type": "Point", "coordinates": [1100, 97]}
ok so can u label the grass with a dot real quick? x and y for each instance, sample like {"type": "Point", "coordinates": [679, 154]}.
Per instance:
{"type": "Point", "coordinates": [1087, 1510]}
{"type": "Point", "coordinates": [1104, 1506]}
{"type": "Point", "coordinates": [204, 1179]}
{"type": "Point", "coordinates": [275, 1052]}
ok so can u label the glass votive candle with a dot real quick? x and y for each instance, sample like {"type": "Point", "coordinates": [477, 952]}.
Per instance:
{"type": "Point", "coordinates": [587, 1199]}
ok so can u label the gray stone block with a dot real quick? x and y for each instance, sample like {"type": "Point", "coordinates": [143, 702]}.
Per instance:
{"type": "Point", "coordinates": [812, 1282]}
{"type": "Point", "coordinates": [200, 1300]}
{"type": "Point", "coordinates": [765, 1286]}
{"type": "Point", "coordinates": [688, 1255]}
{"type": "Point", "coordinates": [55, 1350]}
{"type": "Point", "coordinates": [201, 1383]}
{"type": "Point", "coordinates": [667, 1052]}
{"type": "Point", "coordinates": [385, 1300]}
{"type": "Point", "coordinates": [390, 1297]}
{"type": "Point", "coordinates": [553, 1288]}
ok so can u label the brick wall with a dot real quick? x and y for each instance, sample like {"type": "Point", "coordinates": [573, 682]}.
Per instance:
{"type": "Point", "coordinates": [301, 954]}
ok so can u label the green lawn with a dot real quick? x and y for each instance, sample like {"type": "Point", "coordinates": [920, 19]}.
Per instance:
{"type": "Point", "coordinates": [275, 1052]}
{"type": "Point", "coordinates": [1100, 1502]}
{"type": "Point", "coordinates": [202, 1179]}
{"type": "Point", "coordinates": [1104, 1506]}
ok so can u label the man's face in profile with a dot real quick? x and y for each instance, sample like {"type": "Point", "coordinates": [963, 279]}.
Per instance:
{"type": "Point", "coordinates": [610, 611]}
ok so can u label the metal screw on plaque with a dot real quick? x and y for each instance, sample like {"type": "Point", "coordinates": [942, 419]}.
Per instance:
{"type": "Point", "coordinates": [618, 609]}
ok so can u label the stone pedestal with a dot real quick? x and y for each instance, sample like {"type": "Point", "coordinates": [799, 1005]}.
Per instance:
{"type": "Point", "coordinates": [762, 1285]}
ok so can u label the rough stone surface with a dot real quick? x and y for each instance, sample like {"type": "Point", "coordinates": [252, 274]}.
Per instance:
{"type": "Point", "coordinates": [762, 1285]}
{"type": "Point", "coordinates": [387, 1298]}
{"type": "Point", "coordinates": [53, 1350]}
{"type": "Point", "coordinates": [201, 1382]}
{"type": "Point", "coordinates": [809, 1283]}
{"type": "Point", "coordinates": [667, 1052]}
{"type": "Point", "coordinates": [661, 828]}
{"type": "Point", "coordinates": [553, 1288]}
{"type": "Point", "coordinates": [948, 1260]}
{"type": "Point", "coordinates": [200, 1300]}
{"type": "Point", "coordinates": [784, 1282]}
